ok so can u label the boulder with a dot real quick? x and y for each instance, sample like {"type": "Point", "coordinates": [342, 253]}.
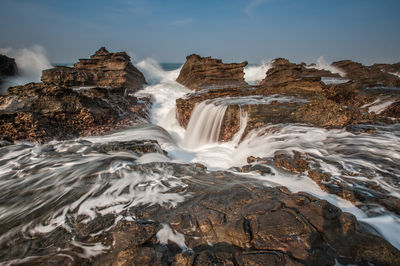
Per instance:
{"type": "Point", "coordinates": [205, 72]}
{"type": "Point", "coordinates": [8, 67]}
{"type": "Point", "coordinates": [103, 69]}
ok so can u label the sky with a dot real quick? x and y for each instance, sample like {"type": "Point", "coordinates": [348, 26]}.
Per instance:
{"type": "Point", "coordinates": [366, 31]}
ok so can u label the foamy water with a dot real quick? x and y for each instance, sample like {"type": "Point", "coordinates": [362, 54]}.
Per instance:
{"type": "Point", "coordinates": [58, 181]}
{"type": "Point", "coordinates": [30, 61]}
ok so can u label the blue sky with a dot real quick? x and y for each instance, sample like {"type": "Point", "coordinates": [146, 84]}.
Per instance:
{"type": "Point", "coordinates": [234, 30]}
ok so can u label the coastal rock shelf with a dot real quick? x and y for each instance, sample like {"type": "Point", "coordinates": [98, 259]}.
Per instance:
{"type": "Point", "coordinates": [58, 109]}
{"type": "Point", "coordinates": [227, 219]}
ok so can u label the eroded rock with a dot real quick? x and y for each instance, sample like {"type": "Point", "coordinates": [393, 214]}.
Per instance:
{"type": "Point", "coordinates": [205, 72]}
{"type": "Point", "coordinates": [103, 69]}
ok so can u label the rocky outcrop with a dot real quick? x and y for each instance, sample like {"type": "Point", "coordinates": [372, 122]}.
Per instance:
{"type": "Point", "coordinates": [367, 76]}
{"type": "Point", "coordinates": [8, 67]}
{"type": "Point", "coordinates": [103, 69]}
{"type": "Point", "coordinates": [205, 72]}
{"type": "Point", "coordinates": [227, 219]}
{"type": "Point", "coordinates": [39, 112]}
{"type": "Point", "coordinates": [287, 76]}
{"type": "Point", "coordinates": [296, 93]}
{"type": "Point", "coordinates": [56, 109]}
{"type": "Point", "coordinates": [264, 107]}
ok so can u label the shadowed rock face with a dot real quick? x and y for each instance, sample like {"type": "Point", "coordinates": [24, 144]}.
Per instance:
{"type": "Point", "coordinates": [8, 67]}
{"type": "Point", "coordinates": [103, 69]}
{"type": "Point", "coordinates": [205, 72]}
{"type": "Point", "coordinates": [40, 112]}
{"type": "Point", "coordinates": [227, 219]}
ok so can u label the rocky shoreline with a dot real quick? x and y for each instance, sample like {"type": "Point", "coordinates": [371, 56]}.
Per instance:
{"type": "Point", "coordinates": [205, 217]}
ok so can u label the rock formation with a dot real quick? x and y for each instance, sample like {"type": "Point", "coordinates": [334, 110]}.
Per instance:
{"type": "Point", "coordinates": [367, 76]}
{"type": "Point", "coordinates": [103, 69]}
{"type": "Point", "coordinates": [205, 72]}
{"type": "Point", "coordinates": [55, 109]}
{"type": "Point", "coordinates": [227, 219]}
{"type": "Point", "coordinates": [312, 101]}
{"type": "Point", "coordinates": [8, 67]}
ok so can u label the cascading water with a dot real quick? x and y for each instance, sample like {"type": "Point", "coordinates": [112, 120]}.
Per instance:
{"type": "Point", "coordinates": [204, 125]}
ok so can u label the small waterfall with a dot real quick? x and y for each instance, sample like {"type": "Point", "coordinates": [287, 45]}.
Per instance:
{"type": "Point", "coordinates": [204, 125]}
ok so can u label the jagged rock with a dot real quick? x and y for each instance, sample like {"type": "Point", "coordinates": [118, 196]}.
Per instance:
{"type": "Point", "coordinates": [8, 67]}
{"type": "Point", "coordinates": [103, 69]}
{"type": "Point", "coordinates": [40, 112]}
{"type": "Point", "coordinates": [205, 72]}
{"type": "Point", "coordinates": [227, 219]}
{"type": "Point", "coordinates": [288, 77]}
{"type": "Point", "coordinates": [367, 76]}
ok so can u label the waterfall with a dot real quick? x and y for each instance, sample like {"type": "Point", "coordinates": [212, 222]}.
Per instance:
{"type": "Point", "coordinates": [204, 125]}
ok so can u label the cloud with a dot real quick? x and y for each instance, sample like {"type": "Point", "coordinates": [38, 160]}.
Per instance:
{"type": "Point", "coordinates": [182, 21]}
{"type": "Point", "coordinates": [253, 4]}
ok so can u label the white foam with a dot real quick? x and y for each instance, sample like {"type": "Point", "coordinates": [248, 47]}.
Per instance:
{"type": "Point", "coordinates": [254, 74]}
{"type": "Point", "coordinates": [90, 250]}
{"type": "Point", "coordinates": [167, 234]}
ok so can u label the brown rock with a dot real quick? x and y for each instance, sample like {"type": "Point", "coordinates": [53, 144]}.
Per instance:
{"type": "Point", "coordinates": [205, 72]}
{"type": "Point", "coordinates": [367, 76]}
{"type": "Point", "coordinates": [103, 69]}
{"type": "Point", "coordinates": [39, 112]}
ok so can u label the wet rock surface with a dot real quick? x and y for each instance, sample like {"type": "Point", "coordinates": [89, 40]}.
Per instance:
{"type": "Point", "coordinates": [103, 69]}
{"type": "Point", "coordinates": [227, 219]}
{"type": "Point", "coordinates": [55, 109]}
{"type": "Point", "coordinates": [366, 194]}
{"type": "Point", "coordinates": [204, 72]}
{"type": "Point", "coordinates": [351, 100]}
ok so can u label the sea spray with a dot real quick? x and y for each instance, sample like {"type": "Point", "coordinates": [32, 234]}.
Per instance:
{"type": "Point", "coordinates": [322, 64]}
{"type": "Point", "coordinates": [30, 62]}
{"type": "Point", "coordinates": [253, 74]}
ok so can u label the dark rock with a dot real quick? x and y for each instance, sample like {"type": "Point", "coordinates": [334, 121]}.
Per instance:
{"type": "Point", "coordinates": [205, 72]}
{"type": "Point", "coordinates": [40, 112]}
{"type": "Point", "coordinates": [103, 69]}
{"type": "Point", "coordinates": [8, 67]}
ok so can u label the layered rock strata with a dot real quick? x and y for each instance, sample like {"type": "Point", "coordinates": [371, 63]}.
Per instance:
{"type": "Point", "coordinates": [205, 72]}
{"type": "Point", "coordinates": [103, 69]}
